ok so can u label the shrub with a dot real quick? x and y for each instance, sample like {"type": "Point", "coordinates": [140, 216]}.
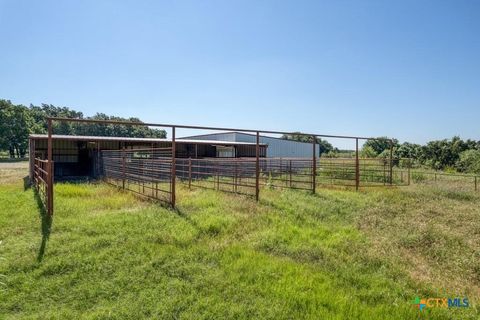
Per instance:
{"type": "Point", "coordinates": [418, 177]}
{"type": "Point", "coordinates": [469, 161]}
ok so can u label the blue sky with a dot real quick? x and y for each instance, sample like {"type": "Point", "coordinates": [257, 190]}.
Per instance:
{"type": "Point", "coordinates": [405, 69]}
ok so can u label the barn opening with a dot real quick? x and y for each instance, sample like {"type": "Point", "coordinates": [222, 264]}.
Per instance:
{"type": "Point", "coordinates": [79, 157]}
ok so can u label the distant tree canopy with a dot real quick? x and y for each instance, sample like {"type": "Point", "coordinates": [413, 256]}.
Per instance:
{"type": "Point", "coordinates": [18, 121]}
{"type": "Point", "coordinates": [455, 153]}
{"type": "Point", "coordinates": [380, 144]}
{"type": "Point", "coordinates": [325, 146]}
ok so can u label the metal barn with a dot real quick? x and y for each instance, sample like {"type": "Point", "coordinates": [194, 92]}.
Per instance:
{"type": "Point", "coordinates": [79, 156]}
{"type": "Point", "coordinates": [277, 147]}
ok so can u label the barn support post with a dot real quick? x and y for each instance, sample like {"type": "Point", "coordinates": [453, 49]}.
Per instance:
{"type": "Point", "coordinates": [173, 173]}
{"type": "Point", "coordinates": [357, 167]}
{"type": "Point", "coordinates": [97, 174]}
{"type": "Point", "coordinates": [50, 169]}
{"type": "Point", "coordinates": [257, 167]}
{"type": "Point", "coordinates": [314, 165]}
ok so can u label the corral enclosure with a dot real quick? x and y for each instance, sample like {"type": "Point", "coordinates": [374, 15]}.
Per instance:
{"type": "Point", "coordinates": [232, 160]}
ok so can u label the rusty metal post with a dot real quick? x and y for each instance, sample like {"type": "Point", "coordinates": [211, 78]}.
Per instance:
{"type": "Point", "coordinates": [357, 167]}
{"type": "Point", "coordinates": [190, 173]}
{"type": "Point", "coordinates": [123, 167]}
{"type": "Point", "coordinates": [257, 167]}
{"type": "Point", "coordinates": [173, 174]}
{"type": "Point", "coordinates": [50, 169]}
{"type": "Point", "coordinates": [391, 162]}
{"type": "Point", "coordinates": [31, 158]}
{"type": "Point", "coordinates": [409, 171]}
{"type": "Point", "coordinates": [290, 172]}
{"type": "Point", "coordinates": [384, 172]}
{"type": "Point", "coordinates": [236, 178]}
{"type": "Point", "coordinates": [217, 175]}
{"type": "Point", "coordinates": [314, 167]}
{"type": "Point", "coordinates": [99, 159]}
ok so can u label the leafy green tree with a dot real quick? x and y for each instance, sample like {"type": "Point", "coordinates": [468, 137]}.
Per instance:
{"type": "Point", "coordinates": [469, 161]}
{"type": "Point", "coordinates": [441, 154]}
{"type": "Point", "coordinates": [17, 122]}
{"type": "Point", "coordinates": [379, 145]}
{"type": "Point", "coordinates": [324, 145]}
{"type": "Point", "coordinates": [368, 152]}
{"type": "Point", "coordinates": [15, 125]}
{"type": "Point", "coordinates": [408, 150]}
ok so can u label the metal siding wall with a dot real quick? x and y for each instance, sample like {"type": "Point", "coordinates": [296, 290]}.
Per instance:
{"type": "Point", "coordinates": [227, 136]}
{"type": "Point", "coordinates": [276, 147]}
{"type": "Point", "coordinates": [281, 148]}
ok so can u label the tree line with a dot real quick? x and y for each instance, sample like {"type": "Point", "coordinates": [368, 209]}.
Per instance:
{"type": "Point", "coordinates": [17, 122]}
{"type": "Point", "coordinates": [453, 154]}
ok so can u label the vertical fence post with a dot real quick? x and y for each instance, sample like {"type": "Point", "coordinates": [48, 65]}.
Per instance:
{"type": "Point", "coordinates": [290, 172]}
{"type": "Point", "coordinates": [217, 174]}
{"type": "Point", "coordinates": [409, 170]}
{"type": "Point", "coordinates": [123, 167]}
{"type": "Point", "coordinates": [384, 172]}
{"type": "Point", "coordinates": [257, 167]}
{"type": "Point", "coordinates": [99, 159]}
{"type": "Point", "coordinates": [357, 166]}
{"type": "Point", "coordinates": [190, 173]}
{"type": "Point", "coordinates": [173, 173]}
{"type": "Point", "coordinates": [50, 169]}
{"type": "Point", "coordinates": [314, 164]}
{"type": "Point", "coordinates": [391, 162]}
{"type": "Point", "coordinates": [236, 177]}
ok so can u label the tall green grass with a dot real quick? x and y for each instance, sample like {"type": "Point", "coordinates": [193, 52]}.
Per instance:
{"type": "Point", "coordinates": [333, 255]}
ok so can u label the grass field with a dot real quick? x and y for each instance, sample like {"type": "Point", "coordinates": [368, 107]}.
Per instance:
{"type": "Point", "coordinates": [333, 255]}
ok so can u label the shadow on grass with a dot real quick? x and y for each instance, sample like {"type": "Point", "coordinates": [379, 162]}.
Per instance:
{"type": "Point", "coordinates": [46, 225]}
{"type": "Point", "coordinates": [26, 183]}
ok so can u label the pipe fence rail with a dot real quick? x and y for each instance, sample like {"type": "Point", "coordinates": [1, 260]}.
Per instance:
{"type": "Point", "coordinates": [43, 182]}
{"type": "Point", "coordinates": [146, 172]}
{"type": "Point", "coordinates": [155, 176]}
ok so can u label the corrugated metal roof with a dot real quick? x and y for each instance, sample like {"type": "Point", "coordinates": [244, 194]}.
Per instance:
{"type": "Point", "coordinates": [130, 139]}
